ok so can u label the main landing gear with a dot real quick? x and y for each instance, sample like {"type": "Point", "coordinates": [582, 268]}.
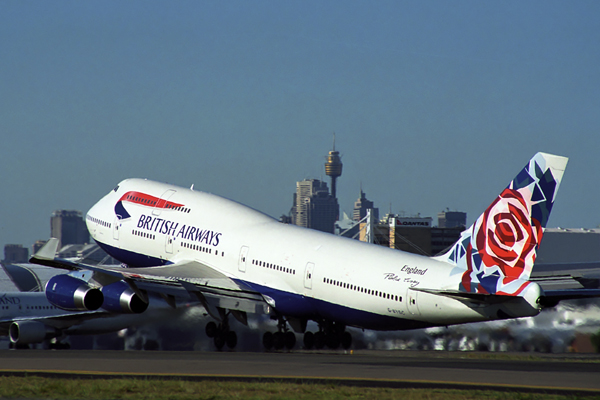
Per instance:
{"type": "Point", "coordinates": [221, 334]}
{"type": "Point", "coordinates": [58, 345]}
{"type": "Point", "coordinates": [331, 334]}
{"type": "Point", "coordinates": [280, 339]}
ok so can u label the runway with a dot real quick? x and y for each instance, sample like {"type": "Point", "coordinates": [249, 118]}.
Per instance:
{"type": "Point", "coordinates": [550, 373]}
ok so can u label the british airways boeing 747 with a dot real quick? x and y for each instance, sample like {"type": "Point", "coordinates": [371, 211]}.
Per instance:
{"type": "Point", "coordinates": [236, 260]}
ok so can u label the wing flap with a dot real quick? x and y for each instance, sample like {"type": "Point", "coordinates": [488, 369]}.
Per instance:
{"type": "Point", "coordinates": [194, 272]}
{"type": "Point", "coordinates": [213, 302]}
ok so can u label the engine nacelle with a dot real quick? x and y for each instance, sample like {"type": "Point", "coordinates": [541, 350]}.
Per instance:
{"type": "Point", "coordinates": [70, 293]}
{"type": "Point", "coordinates": [120, 298]}
{"type": "Point", "coordinates": [26, 332]}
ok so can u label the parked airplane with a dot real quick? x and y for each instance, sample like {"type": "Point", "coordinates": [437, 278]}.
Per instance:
{"type": "Point", "coordinates": [29, 317]}
{"type": "Point", "coordinates": [236, 260]}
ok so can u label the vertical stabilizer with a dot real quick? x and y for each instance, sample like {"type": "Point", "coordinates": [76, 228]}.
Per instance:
{"type": "Point", "coordinates": [498, 251]}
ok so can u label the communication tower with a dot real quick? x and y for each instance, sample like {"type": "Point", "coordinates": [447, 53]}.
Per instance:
{"type": "Point", "coordinates": [333, 167]}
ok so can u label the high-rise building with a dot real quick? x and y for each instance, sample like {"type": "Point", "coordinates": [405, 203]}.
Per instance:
{"type": "Point", "coordinates": [314, 207]}
{"type": "Point", "coordinates": [442, 239]}
{"type": "Point", "coordinates": [68, 227]}
{"type": "Point", "coordinates": [452, 219]}
{"type": "Point", "coordinates": [15, 253]}
{"type": "Point", "coordinates": [410, 234]}
{"type": "Point", "coordinates": [361, 206]}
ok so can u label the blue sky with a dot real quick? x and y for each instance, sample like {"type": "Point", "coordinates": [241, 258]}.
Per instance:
{"type": "Point", "coordinates": [434, 104]}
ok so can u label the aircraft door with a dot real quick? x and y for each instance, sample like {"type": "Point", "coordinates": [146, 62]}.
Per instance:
{"type": "Point", "coordinates": [169, 244]}
{"type": "Point", "coordinates": [308, 273]}
{"type": "Point", "coordinates": [116, 228]}
{"type": "Point", "coordinates": [243, 258]}
{"type": "Point", "coordinates": [160, 204]}
{"type": "Point", "coordinates": [413, 306]}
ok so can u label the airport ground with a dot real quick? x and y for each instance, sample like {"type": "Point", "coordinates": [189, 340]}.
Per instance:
{"type": "Point", "coordinates": [565, 374]}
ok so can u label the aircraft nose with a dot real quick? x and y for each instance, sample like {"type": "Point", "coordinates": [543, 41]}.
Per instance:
{"type": "Point", "coordinates": [94, 211]}
{"type": "Point", "coordinates": [99, 217]}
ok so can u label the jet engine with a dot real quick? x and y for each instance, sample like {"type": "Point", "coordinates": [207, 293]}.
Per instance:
{"type": "Point", "coordinates": [26, 332]}
{"type": "Point", "coordinates": [70, 293]}
{"type": "Point", "coordinates": [120, 298]}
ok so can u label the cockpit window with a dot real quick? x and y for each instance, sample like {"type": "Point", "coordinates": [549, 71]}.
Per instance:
{"type": "Point", "coordinates": [115, 189]}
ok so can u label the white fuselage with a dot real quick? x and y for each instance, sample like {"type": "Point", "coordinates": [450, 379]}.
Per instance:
{"type": "Point", "coordinates": [15, 305]}
{"type": "Point", "coordinates": [303, 273]}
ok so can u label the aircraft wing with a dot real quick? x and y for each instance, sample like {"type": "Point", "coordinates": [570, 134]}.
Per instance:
{"type": "Point", "coordinates": [568, 281]}
{"type": "Point", "coordinates": [212, 288]}
{"type": "Point", "coordinates": [552, 297]}
{"type": "Point", "coordinates": [57, 321]}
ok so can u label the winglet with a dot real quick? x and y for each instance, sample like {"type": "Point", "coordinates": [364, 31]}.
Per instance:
{"type": "Point", "coordinates": [48, 251]}
{"type": "Point", "coordinates": [47, 256]}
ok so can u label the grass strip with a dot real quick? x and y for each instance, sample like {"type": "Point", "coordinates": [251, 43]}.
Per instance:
{"type": "Point", "coordinates": [35, 387]}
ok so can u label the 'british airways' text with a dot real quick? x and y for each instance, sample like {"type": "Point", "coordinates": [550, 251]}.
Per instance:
{"type": "Point", "coordinates": [171, 228]}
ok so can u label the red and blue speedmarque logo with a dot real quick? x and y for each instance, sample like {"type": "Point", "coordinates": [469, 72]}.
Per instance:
{"type": "Point", "coordinates": [144, 200]}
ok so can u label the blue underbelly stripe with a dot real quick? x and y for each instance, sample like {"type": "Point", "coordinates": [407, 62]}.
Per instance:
{"type": "Point", "coordinates": [300, 306]}
{"type": "Point", "coordinates": [131, 258]}
{"type": "Point", "coordinates": [291, 304]}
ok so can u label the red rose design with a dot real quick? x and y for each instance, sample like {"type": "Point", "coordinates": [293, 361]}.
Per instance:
{"type": "Point", "coordinates": [507, 236]}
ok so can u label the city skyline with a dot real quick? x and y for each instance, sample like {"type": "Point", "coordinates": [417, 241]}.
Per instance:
{"type": "Point", "coordinates": [434, 105]}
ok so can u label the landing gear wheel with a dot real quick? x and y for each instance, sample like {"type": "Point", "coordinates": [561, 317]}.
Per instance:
{"type": "Point", "coordinates": [278, 340]}
{"type": "Point", "coordinates": [309, 340]}
{"type": "Point", "coordinates": [219, 340]}
{"type": "Point", "coordinates": [59, 346]}
{"type": "Point", "coordinates": [268, 340]}
{"type": "Point", "coordinates": [211, 329]}
{"type": "Point", "coordinates": [319, 340]}
{"type": "Point", "coordinates": [290, 340]}
{"type": "Point", "coordinates": [231, 339]}
{"type": "Point", "coordinates": [333, 341]}
{"type": "Point", "coordinates": [346, 340]}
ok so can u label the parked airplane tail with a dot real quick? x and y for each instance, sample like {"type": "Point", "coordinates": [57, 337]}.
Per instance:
{"type": "Point", "coordinates": [23, 277]}
{"type": "Point", "coordinates": [498, 251]}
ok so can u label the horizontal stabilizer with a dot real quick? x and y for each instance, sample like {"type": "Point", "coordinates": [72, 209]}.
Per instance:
{"type": "Point", "coordinates": [482, 298]}
{"type": "Point", "coordinates": [553, 297]}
